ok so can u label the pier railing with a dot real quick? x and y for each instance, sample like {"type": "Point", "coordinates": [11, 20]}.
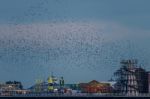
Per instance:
{"type": "Point", "coordinates": [47, 94]}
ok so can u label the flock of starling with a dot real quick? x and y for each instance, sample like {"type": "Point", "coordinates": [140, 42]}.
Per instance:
{"type": "Point", "coordinates": [78, 50]}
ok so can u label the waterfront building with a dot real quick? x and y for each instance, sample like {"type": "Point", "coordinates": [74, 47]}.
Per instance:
{"type": "Point", "coordinates": [142, 79]}
{"type": "Point", "coordinates": [148, 81]}
{"type": "Point", "coordinates": [131, 79]}
{"type": "Point", "coordinates": [12, 88]}
{"type": "Point", "coordinates": [96, 87]}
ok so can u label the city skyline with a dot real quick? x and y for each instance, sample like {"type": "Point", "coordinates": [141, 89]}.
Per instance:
{"type": "Point", "coordinates": [79, 40]}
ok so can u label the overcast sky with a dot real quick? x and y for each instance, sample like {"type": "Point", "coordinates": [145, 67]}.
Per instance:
{"type": "Point", "coordinates": [81, 40]}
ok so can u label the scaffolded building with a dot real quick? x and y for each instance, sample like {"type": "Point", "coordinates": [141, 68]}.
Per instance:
{"type": "Point", "coordinates": [131, 80]}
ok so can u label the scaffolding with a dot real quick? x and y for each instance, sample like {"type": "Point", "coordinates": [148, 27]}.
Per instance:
{"type": "Point", "coordinates": [126, 78]}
